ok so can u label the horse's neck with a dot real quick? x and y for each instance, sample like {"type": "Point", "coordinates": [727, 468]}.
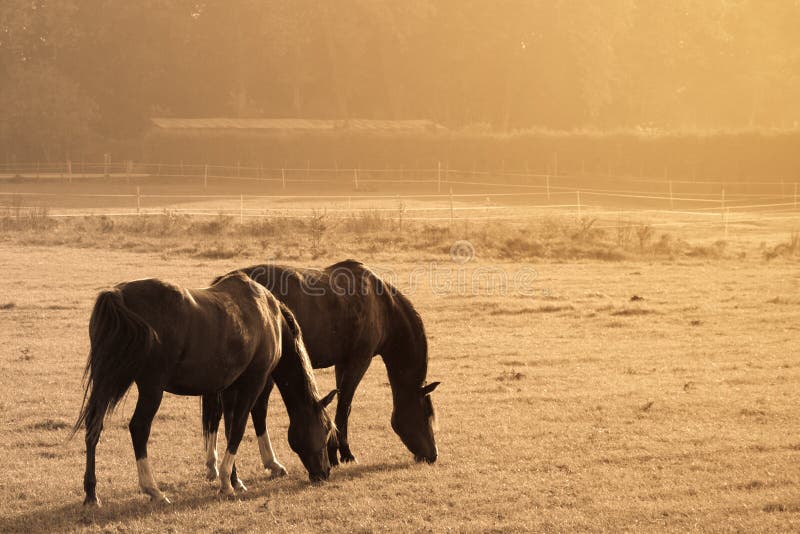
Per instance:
{"type": "Point", "coordinates": [293, 382]}
{"type": "Point", "coordinates": [406, 360]}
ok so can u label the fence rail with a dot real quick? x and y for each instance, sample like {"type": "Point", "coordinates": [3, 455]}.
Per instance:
{"type": "Point", "coordinates": [453, 194]}
{"type": "Point", "coordinates": [421, 174]}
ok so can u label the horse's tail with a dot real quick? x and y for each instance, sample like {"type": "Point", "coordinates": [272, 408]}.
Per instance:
{"type": "Point", "coordinates": [210, 413]}
{"type": "Point", "coordinates": [121, 342]}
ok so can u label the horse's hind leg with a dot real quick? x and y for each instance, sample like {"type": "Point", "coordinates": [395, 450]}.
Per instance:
{"type": "Point", "coordinates": [211, 414]}
{"type": "Point", "coordinates": [146, 408]}
{"type": "Point", "coordinates": [89, 479]}
{"type": "Point", "coordinates": [229, 405]}
{"type": "Point", "coordinates": [259, 416]}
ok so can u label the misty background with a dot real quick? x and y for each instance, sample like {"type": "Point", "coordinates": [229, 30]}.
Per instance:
{"type": "Point", "coordinates": [74, 71]}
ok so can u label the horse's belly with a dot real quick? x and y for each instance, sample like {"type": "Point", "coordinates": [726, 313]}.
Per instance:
{"type": "Point", "coordinates": [201, 379]}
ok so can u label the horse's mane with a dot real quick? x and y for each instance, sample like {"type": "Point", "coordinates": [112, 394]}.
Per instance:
{"type": "Point", "coordinates": [400, 302]}
{"type": "Point", "coordinates": [417, 326]}
{"type": "Point", "coordinates": [300, 348]}
{"type": "Point", "coordinates": [310, 390]}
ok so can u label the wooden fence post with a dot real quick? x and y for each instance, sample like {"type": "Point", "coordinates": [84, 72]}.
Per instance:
{"type": "Point", "coordinates": [722, 205]}
{"type": "Point", "coordinates": [671, 200]}
{"type": "Point", "coordinates": [452, 208]}
{"type": "Point", "coordinates": [725, 216]}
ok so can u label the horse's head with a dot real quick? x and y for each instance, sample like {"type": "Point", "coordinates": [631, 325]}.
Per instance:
{"type": "Point", "coordinates": [414, 420]}
{"type": "Point", "coordinates": [310, 439]}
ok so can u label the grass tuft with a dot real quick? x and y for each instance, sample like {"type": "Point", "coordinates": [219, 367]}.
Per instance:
{"type": "Point", "coordinates": [50, 424]}
{"type": "Point", "coordinates": [625, 312]}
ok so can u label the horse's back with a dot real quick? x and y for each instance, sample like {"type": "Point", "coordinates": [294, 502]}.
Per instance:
{"type": "Point", "coordinates": [204, 333]}
{"type": "Point", "coordinates": [342, 309]}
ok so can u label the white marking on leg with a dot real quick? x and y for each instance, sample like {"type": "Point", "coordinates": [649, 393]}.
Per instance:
{"type": "Point", "coordinates": [268, 456]}
{"type": "Point", "coordinates": [147, 482]}
{"type": "Point", "coordinates": [225, 470]}
{"type": "Point", "coordinates": [211, 456]}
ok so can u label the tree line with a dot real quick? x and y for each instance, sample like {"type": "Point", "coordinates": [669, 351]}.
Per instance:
{"type": "Point", "coordinates": [73, 69]}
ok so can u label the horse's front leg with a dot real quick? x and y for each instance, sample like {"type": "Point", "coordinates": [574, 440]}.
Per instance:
{"type": "Point", "coordinates": [348, 376]}
{"type": "Point", "coordinates": [259, 416]}
{"type": "Point", "coordinates": [141, 422]}
{"type": "Point", "coordinates": [236, 406]}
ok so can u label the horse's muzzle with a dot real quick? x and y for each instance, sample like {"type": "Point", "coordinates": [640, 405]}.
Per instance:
{"type": "Point", "coordinates": [320, 476]}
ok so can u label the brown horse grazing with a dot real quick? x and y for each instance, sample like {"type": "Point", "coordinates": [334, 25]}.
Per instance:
{"type": "Point", "coordinates": [225, 339]}
{"type": "Point", "coordinates": [348, 315]}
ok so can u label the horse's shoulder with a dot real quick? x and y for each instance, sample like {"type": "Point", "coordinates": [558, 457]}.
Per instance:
{"type": "Point", "coordinates": [347, 264]}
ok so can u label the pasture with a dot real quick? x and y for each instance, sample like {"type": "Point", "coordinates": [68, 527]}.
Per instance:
{"type": "Point", "coordinates": [650, 389]}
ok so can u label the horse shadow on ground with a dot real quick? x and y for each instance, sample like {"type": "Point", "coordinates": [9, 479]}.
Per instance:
{"type": "Point", "coordinates": [74, 515]}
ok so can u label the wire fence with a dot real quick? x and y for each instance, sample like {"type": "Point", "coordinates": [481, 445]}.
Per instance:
{"type": "Point", "coordinates": [426, 194]}
{"type": "Point", "coordinates": [440, 174]}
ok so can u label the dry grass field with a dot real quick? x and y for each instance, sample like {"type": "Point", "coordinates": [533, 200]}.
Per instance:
{"type": "Point", "coordinates": [565, 404]}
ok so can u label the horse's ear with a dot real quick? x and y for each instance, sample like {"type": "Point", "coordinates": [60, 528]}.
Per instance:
{"type": "Point", "coordinates": [427, 390]}
{"type": "Point", "coordinates": [326, 400]}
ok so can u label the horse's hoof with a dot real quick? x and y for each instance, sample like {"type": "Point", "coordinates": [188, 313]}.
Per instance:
{"type": "Point", "coordinates": [226, 494]}
{"type": "Point", "coordinates": [347, 457]}
{"type": "Point", "coordinates": [92, 502]}
{"type": "Point", "coordinates": [160, 500]}
{"type": "Point", "coordinates": [333, 456]}
{"type": "Point", "coordinates": [277, 471]}
{"type": "Point", "coordinates": [212, 473]}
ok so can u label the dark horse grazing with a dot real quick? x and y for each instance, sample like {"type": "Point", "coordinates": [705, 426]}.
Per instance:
{"type": "Point", "coordinates": [224, 339]}
{"type": "Point", "coordinates": [348, 315]}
